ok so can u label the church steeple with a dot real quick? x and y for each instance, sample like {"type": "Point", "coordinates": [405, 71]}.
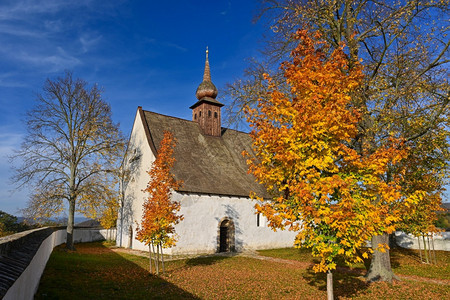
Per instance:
{"type": "Point", "coordinates": [206, 89]}
{"type": "Point", "coordinates": [207, 73]}
{"type": "Point", "coordinates": [206, 112]}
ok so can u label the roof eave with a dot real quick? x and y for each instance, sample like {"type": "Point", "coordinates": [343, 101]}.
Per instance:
{"type": "Point", "coordinates": [207, 100]}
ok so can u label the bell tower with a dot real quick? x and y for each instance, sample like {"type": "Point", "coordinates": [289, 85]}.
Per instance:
{"type": "Point", "coordinates": [206, 112]}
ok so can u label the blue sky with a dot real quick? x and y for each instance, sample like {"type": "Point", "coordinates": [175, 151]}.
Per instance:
{"type": "Point", "coordinates": [142, 53]}
{"type": "Point", "coordinates": [147, 53]}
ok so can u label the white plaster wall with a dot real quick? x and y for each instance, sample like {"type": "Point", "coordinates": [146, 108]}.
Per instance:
{"type": "Point", "coordinates": [198, 232]}
{"type": "Point", "coordinates": [409, 241]}
{"type": "Point", "coordinates": [130, 213]}
{"type": "Point", "coordinates": [84, 235]}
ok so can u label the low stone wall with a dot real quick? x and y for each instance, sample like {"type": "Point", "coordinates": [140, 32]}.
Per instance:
{"type": "Point", "coordinates": [23, 257]}
{"type": "Point", "coordinates": [441, 241]}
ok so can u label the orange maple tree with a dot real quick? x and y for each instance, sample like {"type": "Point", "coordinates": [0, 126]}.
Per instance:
{"type": "Point", "coordinates": [333, 195]}
{"type": "Point", "coordinates": [160, 211]}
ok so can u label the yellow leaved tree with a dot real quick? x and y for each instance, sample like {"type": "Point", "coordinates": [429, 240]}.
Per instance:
{"type": "Point", "coordinates": [336, 198]}
{"type": "Point", "coordinates": [404, 49]}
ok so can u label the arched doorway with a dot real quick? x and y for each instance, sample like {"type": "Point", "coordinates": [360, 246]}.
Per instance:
{"type": "Point", "coordinates": [225, 237]}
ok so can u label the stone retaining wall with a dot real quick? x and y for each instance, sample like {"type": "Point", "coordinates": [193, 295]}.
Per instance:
{"type": "Point", "coordinates": [23, 257]}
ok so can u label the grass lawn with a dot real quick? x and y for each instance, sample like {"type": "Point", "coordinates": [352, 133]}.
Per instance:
{"type": "Point", "coordinates": [403, 261]}
{"type": "Point", "coordinates": [95, 271]}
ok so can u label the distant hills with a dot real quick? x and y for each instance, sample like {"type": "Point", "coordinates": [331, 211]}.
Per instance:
{"type": "Point", "coordinates": [58, 221]}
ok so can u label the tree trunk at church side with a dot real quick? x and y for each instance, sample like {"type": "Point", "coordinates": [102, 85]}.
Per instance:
{"type": "Point", "coordinates": [156, 259]}
{"type": "Point", "coordinates": [330, 295]}
{"type": "Point", "coordinates": [162, 259]}
{"type": "Point", "coordinates": [150, 257]}
{"type": "Point", "coordinates": [425, 249]}
{"type": "Point", "coordinates": [380, 266]}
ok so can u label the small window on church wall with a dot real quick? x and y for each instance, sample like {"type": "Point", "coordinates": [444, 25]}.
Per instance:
{"type": "Point", "coordinates": [258, 221]}
{"type": "Point", "coordinates": [195, 117]}
{"type": "Point", "coordinates": [215, 114]}
{"type": "Point", "coordinates": [200, 113]}
{"type": "Point", "coordinates": [209, 113]}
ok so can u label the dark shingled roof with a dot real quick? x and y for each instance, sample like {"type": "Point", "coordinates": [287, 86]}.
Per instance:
{"type": "Point", "coordinates": [206, 164]}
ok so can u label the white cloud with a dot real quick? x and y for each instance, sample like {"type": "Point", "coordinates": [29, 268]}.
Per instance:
{"type": "Point", "coordinates": [56, 61]}
{"type": "Point", "coordinates": [54, 25]}
{"type": "Point", "coordinates": [9, 80]}
{"type": "Point", "coordinates": [227, 10]}
{"type": "Point", "coordinates": [20, 31]}
{"type": "Point", "coordinates": [167, 44]}
{"type": "Point", "coordinates": [9, 142]}
{"type": "Point", "coordinates": [12, 83]}
{"type": "Point", "coordinates": [88, 42]}
{"type": "Point", "coordinates": [45, 36]}
{"type": "Point", "coordinates": [12, 198]}
{"type": "Point", "coordinates": [21, 10]}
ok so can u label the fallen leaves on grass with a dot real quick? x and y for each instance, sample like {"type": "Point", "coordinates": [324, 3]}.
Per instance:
{"type": "Point", "coordinates": [103, 274]}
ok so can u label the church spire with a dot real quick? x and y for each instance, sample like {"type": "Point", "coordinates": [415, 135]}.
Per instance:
{"type": "Point", "coordinates": [206, 89]}
{"type": "Point", "coordinates": [206, 112]}
{"type": "Point", "coordinates": [207, 73]}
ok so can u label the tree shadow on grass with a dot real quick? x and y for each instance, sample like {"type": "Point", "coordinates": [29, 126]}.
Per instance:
{"type": "Point", "coordinates": [398, 256]}
{"type": "Point", "coordinates": [95, 271]}
{"type": "Point", "coordinates": [346, 283]}
{"type": "Point", "coordinates": [209, 259]}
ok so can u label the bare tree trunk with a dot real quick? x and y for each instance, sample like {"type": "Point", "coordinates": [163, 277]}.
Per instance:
{"type": "Point", "coordinates": [121, 225]}
{"type": "Point", "coordinates": [380, 266]}
{"type": "Point", "coordinates": [162, 259]}
{"type": "Point", "coordinates": [330, 295]}
{"type": "Point", "coordinates": [150, 257]}
{"type": "Point", "coordinates": [420, 249]}
{"type": "Point", "coordinates": [157, 258]}
{"type": "Point", "coordinates": [425, 249]}
{"type": "Point", "coordinates": [70, 224]}
{"type": "Point", "coordinates": [434, 251]}
{"type": "Point", "coordinates": [431, 251]}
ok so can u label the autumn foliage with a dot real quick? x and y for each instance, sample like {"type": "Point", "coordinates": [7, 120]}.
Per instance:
{"type": "Point", "coordinates": [335, 196]}
{"type": "Point", "coordinates": [160, 212]}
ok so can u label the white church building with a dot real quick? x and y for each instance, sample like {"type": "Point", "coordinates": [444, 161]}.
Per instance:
{"type": "Point", "coordinates": [218, 214]}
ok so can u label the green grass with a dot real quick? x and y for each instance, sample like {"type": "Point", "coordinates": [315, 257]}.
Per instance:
{"type": "Point", "coordinates": [303, 255]}
{"type": "Point", "coordinates": [407, 262]}
{"type": "Point", "coordinates": [94, 271]}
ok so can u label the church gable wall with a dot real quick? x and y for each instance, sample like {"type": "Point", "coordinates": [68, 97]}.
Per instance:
{"type": "Point", "coordinates": [137, 161]}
